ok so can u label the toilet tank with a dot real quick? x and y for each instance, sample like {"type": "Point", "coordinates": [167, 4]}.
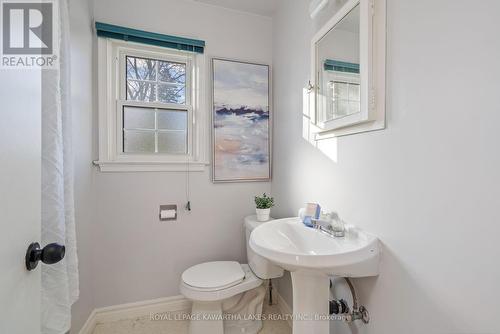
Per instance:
{"type": "Point", "coordinates": [259, 265]}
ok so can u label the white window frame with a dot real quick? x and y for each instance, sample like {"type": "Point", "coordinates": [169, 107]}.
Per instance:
{"type": "Point", "coordinates": [112, 98]}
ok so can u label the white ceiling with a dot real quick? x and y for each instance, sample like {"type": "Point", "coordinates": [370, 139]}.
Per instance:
{"type": "Point", "coordinates": [259, 7]}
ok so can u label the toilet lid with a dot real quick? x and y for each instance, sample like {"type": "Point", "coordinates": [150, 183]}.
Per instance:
{"type": "Point", "coordinates": [214, 275]}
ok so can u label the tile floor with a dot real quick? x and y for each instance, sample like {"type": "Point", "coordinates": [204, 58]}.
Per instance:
{"type": "Point", "coordinates": [144, 325]}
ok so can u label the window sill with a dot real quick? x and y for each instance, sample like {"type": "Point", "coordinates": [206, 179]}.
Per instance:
{"type": "Point", "coordinates": [350, 130]}
{"type": "Point", "coordinates": [119, 166]}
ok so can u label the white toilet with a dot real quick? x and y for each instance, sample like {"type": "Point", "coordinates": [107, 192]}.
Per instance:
{"type": "Point", "coordinates": [228, 296]}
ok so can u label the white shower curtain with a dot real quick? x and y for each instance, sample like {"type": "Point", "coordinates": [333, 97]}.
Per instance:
{"type": "Point", "coordinates": [59, 281]}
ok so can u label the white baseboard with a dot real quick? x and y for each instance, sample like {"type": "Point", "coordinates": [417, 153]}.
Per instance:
{"type": "Point", "coordinates": [134, 310]}
{"type": "Point", "coordinates": [285, 309]}
{"type": "Point", "coordinates": [89, 325]}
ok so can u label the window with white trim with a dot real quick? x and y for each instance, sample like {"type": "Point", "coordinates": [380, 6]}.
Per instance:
{"type": "Point", "coordinates": [151, 115]}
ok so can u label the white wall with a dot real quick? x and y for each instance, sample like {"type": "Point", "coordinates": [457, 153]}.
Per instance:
{"type": "Point", "coordinates": [133, 256]}
{"type": "Point", "coordinates": [428, 185]}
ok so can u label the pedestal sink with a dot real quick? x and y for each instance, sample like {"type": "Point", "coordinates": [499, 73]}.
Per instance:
{"type": "Point", "coordinates": [312, 257]}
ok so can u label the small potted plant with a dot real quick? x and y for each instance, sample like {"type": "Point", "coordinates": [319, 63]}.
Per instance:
{"type": "Point", "coordinates": [263, 205]}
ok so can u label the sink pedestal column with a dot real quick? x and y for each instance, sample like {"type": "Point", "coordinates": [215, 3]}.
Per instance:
{"type": "Point", "coordinates": [310, 302]}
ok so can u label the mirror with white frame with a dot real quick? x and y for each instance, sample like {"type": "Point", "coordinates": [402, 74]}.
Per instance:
{"type": "Point", "coordinates": [348, 63]}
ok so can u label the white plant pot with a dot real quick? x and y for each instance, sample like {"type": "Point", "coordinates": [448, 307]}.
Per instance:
{"type": "Point", "coordinates": [263, 214]}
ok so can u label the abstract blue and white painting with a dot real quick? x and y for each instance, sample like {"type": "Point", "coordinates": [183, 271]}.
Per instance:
{"type": "Point", "coordinates": [241, 130]}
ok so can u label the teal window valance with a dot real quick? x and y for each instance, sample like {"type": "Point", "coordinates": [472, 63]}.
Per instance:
{"type": "Point", "coordinates": [340, 66]}
{"type": "Point", "coordinates": [151, 38]}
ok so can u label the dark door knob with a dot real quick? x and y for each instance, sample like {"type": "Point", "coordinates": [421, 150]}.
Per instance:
{"type": "Point", "coordinates": [50, 254]}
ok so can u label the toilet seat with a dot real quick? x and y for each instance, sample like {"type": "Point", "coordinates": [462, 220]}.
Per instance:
{"type": "Point", "coordinates": [212, 276]}
{"type": "Point", "coordinates": [248, 281]}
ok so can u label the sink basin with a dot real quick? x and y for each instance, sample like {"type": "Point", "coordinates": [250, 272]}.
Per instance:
{"type": "Point", "coordinates": [312, 257]}
{"type": "Point", "coordinates": [293, 246]}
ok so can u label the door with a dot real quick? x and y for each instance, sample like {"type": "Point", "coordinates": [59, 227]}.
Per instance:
{"type": "Point", "coordinates": [20, 198]}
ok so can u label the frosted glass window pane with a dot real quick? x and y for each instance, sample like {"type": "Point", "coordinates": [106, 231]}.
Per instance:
{"type": "Point", "coordinates": [138, 118]}
{"type": "Point", "coordinates": [168, 93]}
{"type": "Point", "coordinates": [141, 68]}
{"type": "Point", "coordinates": [172, 72]}
{"type": "Point", "coordinates": [354, 107]}
{"type": "Point", "coordinates": [172, 120]}
{"type": "Point", "coordinates": [341, 91]}
{"type": "Point", "coordinates": [174, 142]}
{"type": "Point", "coordinates": [138, 141]}
{"type": "Point", "coordinates": [141, 91]}
{"type": "Point", "coordinates": [354, 93]}
{"type": "Point", "coordinates": [342, 108]}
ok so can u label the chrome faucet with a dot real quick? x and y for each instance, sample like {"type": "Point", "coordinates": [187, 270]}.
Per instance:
{"type": "Point", "coordinates": [330, 224]}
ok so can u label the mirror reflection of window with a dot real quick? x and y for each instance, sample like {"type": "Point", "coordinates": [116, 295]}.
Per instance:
{"type": "Point", "coordinates": [339, 72]}
{"type": "Point", "coordinates": [345, 99]}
